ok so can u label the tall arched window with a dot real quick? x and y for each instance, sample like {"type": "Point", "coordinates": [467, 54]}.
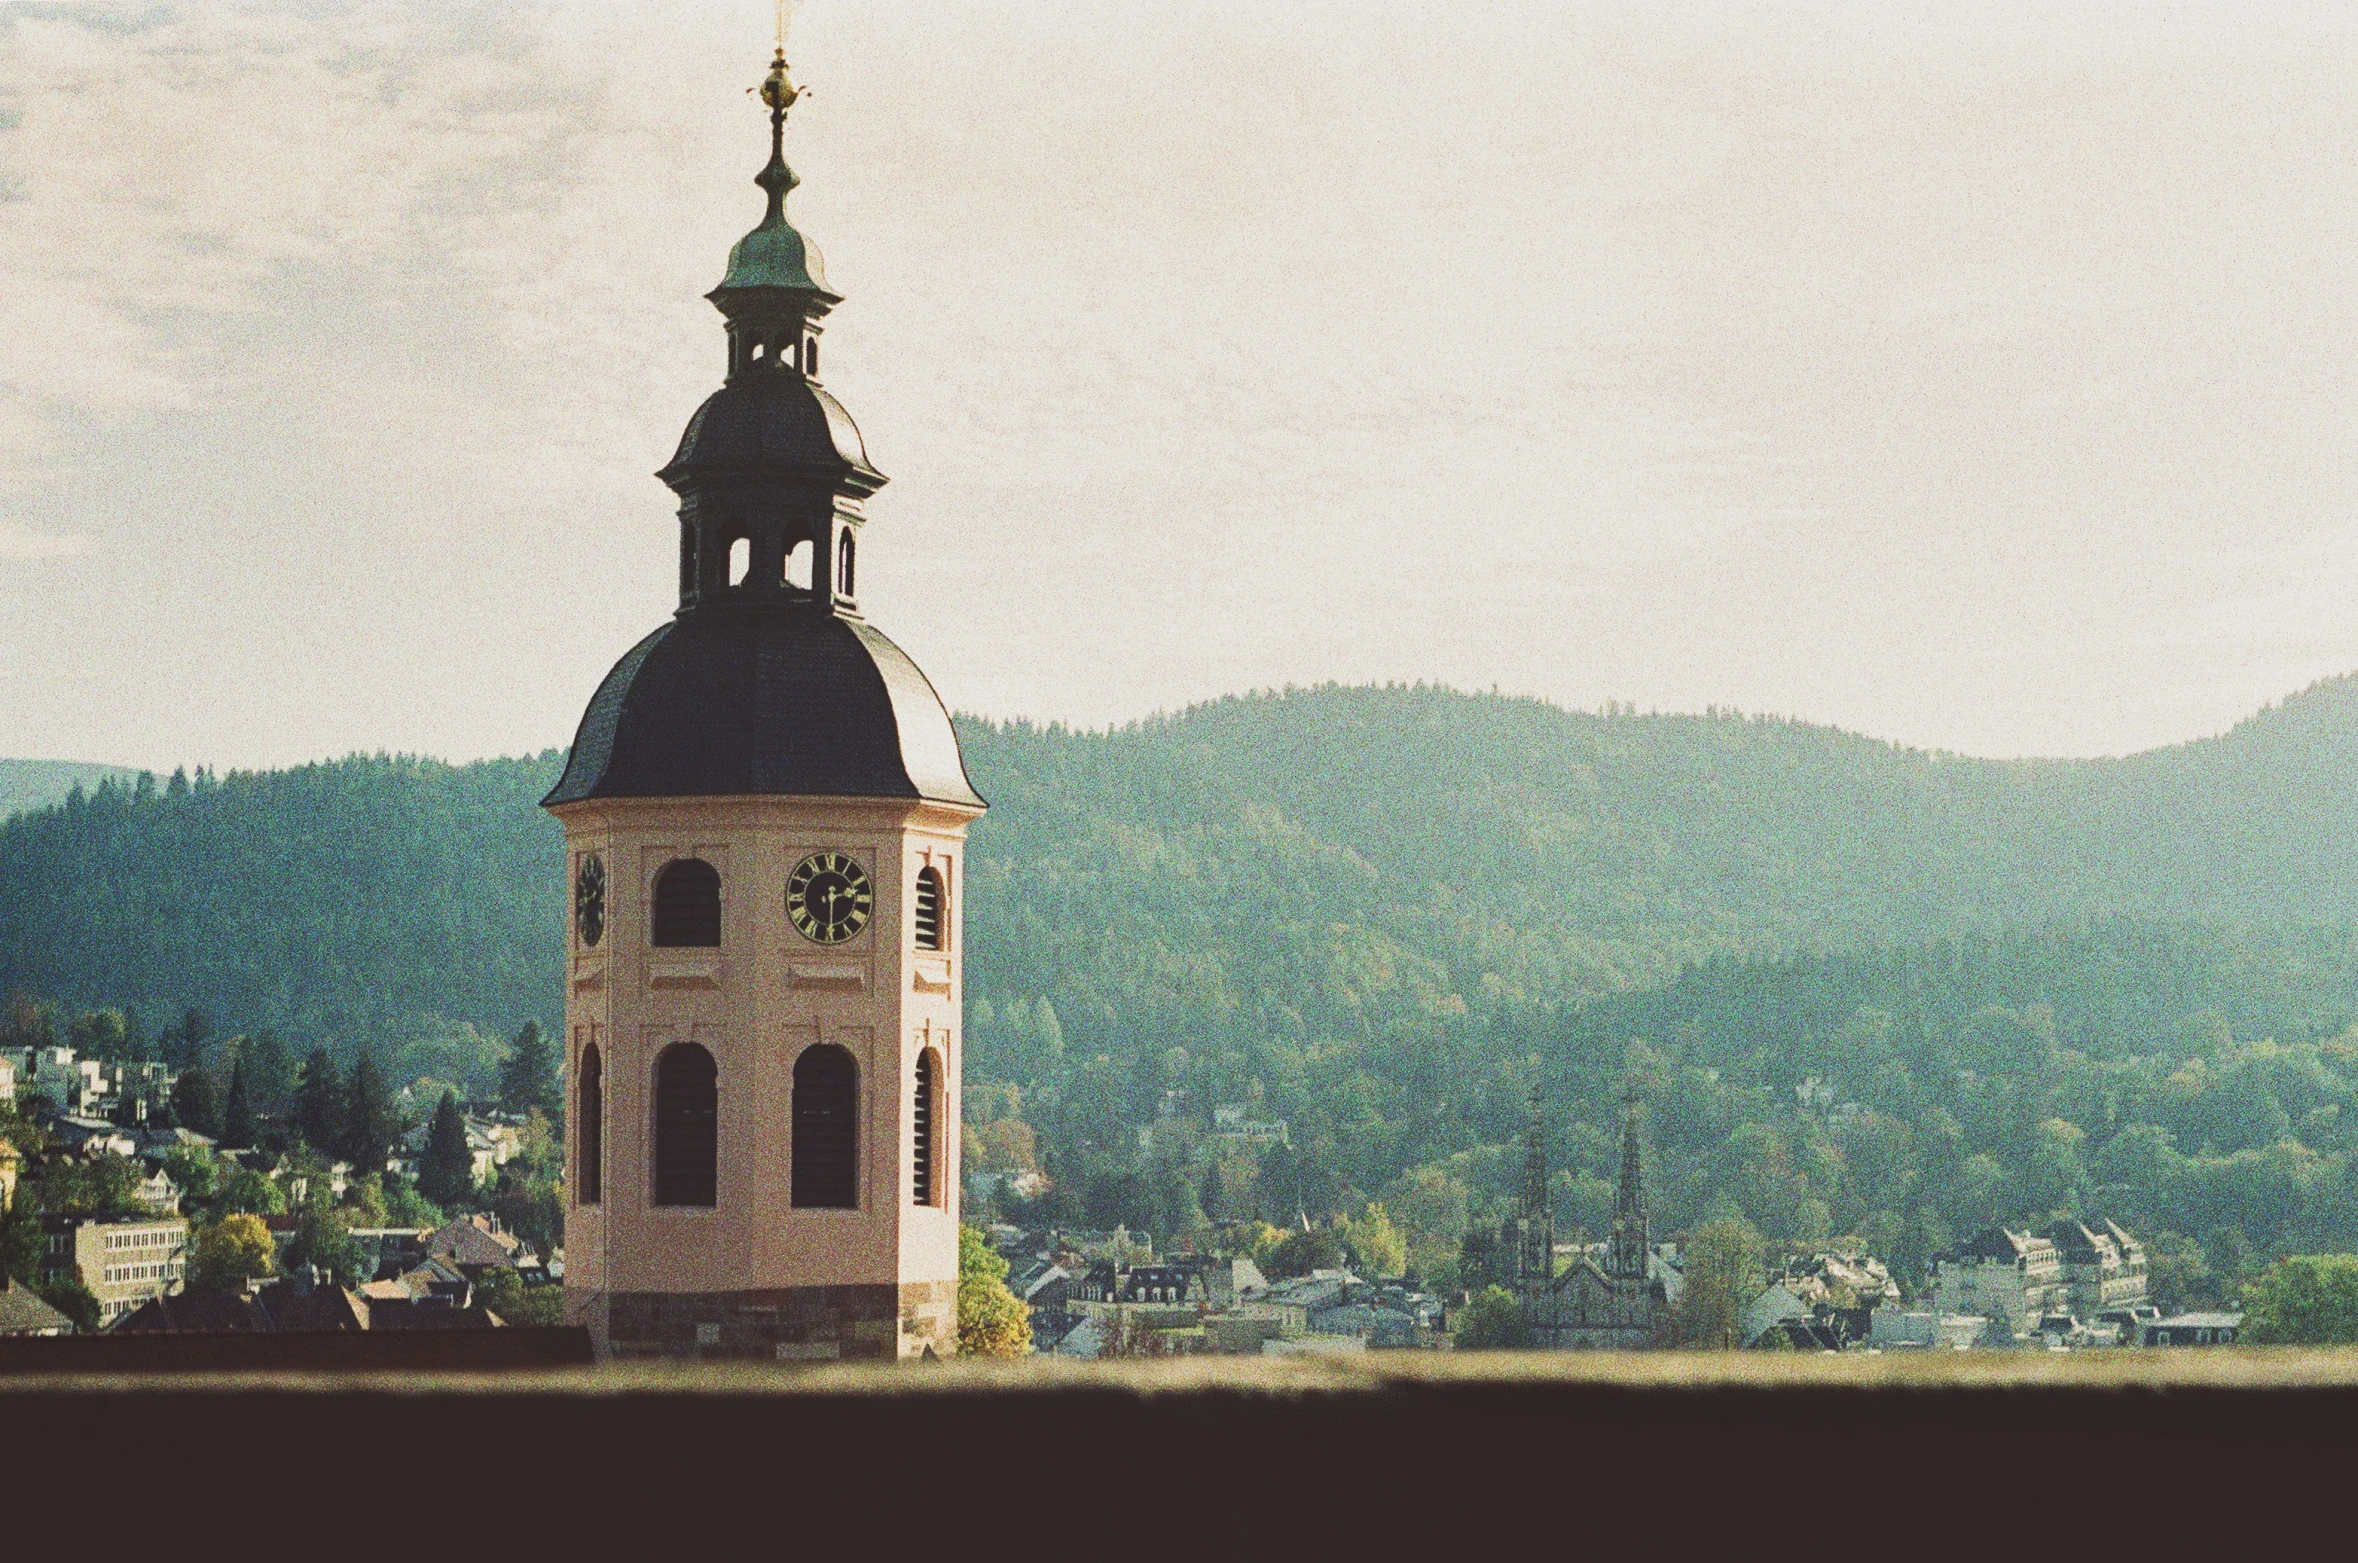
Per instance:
{"type": "Point", "coordinates": [589, 1120]}
{"type": "Point", "coordinates": [826, 1170]}
{"type": "Point", "coordinates": [687, 1127]}
{"type": "Point", "coordinates": [687, 903]}
{"type": "Point", "coordinates": [847, 557]}
{"type": "Point", "coordinates": [932, 909]}
{"type": "Point", "coordinates": [925, 1176]}
{"type": "Point", "coordinates": [798, 566]}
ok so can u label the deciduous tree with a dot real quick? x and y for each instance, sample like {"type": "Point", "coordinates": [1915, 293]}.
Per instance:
{"type": "Point", "coordinates": [1492, 1321]}
{"type": "Point", "coordinates": [229, 1255]}
{"type": "Point", "coordinates": [992, 1321]}
{"type": "Point", "coordinates": [2306, 1300]}
{"type": "Point", "coordinates": [1723, 1265]}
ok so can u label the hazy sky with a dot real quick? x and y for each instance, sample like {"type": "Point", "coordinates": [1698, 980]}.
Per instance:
{"type": "Point", "coordinates": [1972, 376]}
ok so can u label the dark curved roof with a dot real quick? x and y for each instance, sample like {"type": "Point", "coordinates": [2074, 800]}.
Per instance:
{"type": "Point", "coordinates": [773, 700]}
{"type": "Point", "coordinates": [765, 420]}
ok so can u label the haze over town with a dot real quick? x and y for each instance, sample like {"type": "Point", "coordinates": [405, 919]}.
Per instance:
{"type": "Point", "coordinates": [1977, 382]}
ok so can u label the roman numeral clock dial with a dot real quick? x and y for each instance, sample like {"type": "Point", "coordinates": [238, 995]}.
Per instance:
{"type": "Point", "coordinates": [828, 898]}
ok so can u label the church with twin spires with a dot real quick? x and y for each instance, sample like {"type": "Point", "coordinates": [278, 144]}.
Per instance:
{"type": "Point", "coordinates": [765, 815]}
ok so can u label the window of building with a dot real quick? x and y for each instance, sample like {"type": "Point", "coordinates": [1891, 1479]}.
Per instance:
{"type": "Point", "coordinates": [931, 908]}
{"type": "Point", "coordinates": [740, 560]}
{"type": "Point", "coordinates": [924, 1176]}
{"type": "Point", "coordinates": [826, 1130]}
{"type": "Point", "coordinates": [590, 1127]}
{"type": "Point", "coordinates": [687, 1127]}
{"type": "Point", "coordinates": [687, 904]}
{"type": "Point", "coordinates": [846, 562]}
{"type": "Point", "coordinates": [798, 566]}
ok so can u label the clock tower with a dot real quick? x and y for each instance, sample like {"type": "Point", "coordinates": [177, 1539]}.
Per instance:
{"type": "Point", "coordinates": [765, 817]}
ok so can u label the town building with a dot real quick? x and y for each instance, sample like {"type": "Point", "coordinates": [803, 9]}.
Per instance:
{"type": "Point", "coordinates": [11, 1166]}
{"type": "Point", "coordinates": [2103, 1266]}
{"type": "Point", "coordinates": [2193, 1329]}
{"type": "Point", "coordinates": [2013, 1279]}
{"type": "Point", "coordinates": [765, 814]}
{"type": "Point", "coordinates": [121, 1263]}
{"type": "Point", "coordinates": [1612, 1301]}
{"type": "Point", "coordinates": [1833, 1294]}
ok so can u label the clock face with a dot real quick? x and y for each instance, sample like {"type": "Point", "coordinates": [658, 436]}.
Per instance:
{"type": "Point", "coordinates": [828, 898]}
{"type": "Point", "coordinates": [589, 900]}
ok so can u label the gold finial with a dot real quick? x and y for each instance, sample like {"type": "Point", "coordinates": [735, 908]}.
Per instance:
{"type": "Point", "coordinates": [776, 91]}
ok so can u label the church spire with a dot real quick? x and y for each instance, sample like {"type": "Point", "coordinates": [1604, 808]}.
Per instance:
{"type": "Point", "coordinates": [1535, 1262]}
{"type": "Point", "coordinates": [1625, 1255]}
{"type": "Point", "coordinates": [775, 290]}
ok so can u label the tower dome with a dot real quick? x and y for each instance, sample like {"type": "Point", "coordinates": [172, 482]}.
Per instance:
{"type": "Point", "coordinates": [768, 681]}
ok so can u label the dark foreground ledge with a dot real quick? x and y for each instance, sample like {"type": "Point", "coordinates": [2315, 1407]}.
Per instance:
{"type": "Point", "coordinates": [1388, 1455]}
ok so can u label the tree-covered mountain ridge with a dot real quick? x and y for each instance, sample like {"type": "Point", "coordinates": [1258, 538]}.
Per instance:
{"type": "Point", "coordinates": [1332, 855]}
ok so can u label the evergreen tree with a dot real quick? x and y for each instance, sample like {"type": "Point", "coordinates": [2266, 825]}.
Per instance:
{"type": "Point", "coordinates": [370, 1123]}
{"type": "Point", "coordinates": [237, 1114]}
{"type": "Point", "coordinates": [446, 1173]}
{"type": "Point", "coordinates": [184, 1044]}
{"type": "Point", "coordinates": [196, 1102]}
{"type": "Point", "coordinates": [270, 1073]}
{"type": "Point", "coordinates": [528, 1079]}
{"type": "Point", "coordinates": [319, 1102]}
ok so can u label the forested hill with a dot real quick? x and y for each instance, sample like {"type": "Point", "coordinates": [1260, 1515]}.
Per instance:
{"type": "Point", "coordinates": [35, 784]}
{"type": "Point", "coordinates": [1332, 856]}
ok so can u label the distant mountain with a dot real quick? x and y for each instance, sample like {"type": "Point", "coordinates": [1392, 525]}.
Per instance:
{"type": "Point", "coordinates": [36, 784]}
{"type": "Point", "coordinates": [1335, 854]}
{"type": "Point", "coordinates": [1385, 914]}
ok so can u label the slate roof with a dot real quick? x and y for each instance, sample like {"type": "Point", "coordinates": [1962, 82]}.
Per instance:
{"type": "Point", "coordinates": [771, 422]}
{"type": "Point", "coordinates": [782, 699]}
{"type": "Point", "coordinates": [184, 1313]}
{"type": "Point", "coordinates": [22, 1312]}
{"type": "Point", "coordinates": [466, 1244]}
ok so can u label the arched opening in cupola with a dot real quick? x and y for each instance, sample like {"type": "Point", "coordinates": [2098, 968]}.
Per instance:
{"type": "Point", "coordinates": [740, 560]}
{"type": "Point", "coordinates": [798, 566]}
{"type": "Point", "coordinates": [846, 562]}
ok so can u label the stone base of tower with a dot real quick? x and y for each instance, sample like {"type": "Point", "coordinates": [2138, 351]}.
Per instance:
{"type": "Point", "coordinates": [788, 1324]}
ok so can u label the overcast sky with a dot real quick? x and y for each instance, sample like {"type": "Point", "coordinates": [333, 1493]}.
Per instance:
{"type": "Point", "coordinates": [1979, 380]}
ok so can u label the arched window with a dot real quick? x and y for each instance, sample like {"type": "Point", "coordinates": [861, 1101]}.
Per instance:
{"type": "Point", "coordinates": [687, 559]}
{"type": "Point", "coordinates": [589, 1118]}
{"type": "Point", "coordinates": [810, 355]}
{"type": "Point", "coordinates": [798, 566]}
{"type": "Point", "coordinates": [925, 1177]}
{"type": "Point", "coordinates": [687, 904]}
{"type": "Point", "coordinates": [932, 909]}
{"type": "Point", "coordinates": [740, 560]}
{"type": "Point", "coordinates": [687, 1127]}
{"type": "Point", "coordinates": [846, 556]}
{"type": "Point", "coordinates": [826, 1130]}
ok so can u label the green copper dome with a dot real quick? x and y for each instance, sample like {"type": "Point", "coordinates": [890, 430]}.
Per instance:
{"type": "Point", "coordinates": [774, 255]}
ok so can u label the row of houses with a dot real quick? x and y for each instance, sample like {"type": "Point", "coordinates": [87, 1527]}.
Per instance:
{"type": "Point", "coordinates": [1105, 1294]}
{"type": "Point", "coordinates": [2076, 1283]}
